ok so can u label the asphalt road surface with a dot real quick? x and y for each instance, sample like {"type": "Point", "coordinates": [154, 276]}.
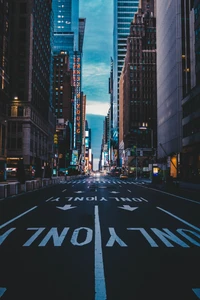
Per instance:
{"type": "Point", "coordinates": [99, 238]}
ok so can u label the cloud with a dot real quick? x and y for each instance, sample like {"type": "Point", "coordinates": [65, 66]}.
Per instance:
{"type": "Point", "coordinates": [95, 81]}
{"type": "Point", "coordinates": [95, 69]}
{"type": "Point", "coordinates": [97, 108]}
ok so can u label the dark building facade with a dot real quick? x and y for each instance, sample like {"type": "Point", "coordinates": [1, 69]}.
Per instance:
{"type": "Point", "coordinates": [190, 163]}
{"type": "Point", "coordinates": [62, 102]}
{"type": "Point", "coordinates": [178, 84]}
{"type": "Point", "coordinates": [137, 96]}
{"type": "Point", "coordinates": [30, 110]}
{"type": "Point", "coordinates": [4, 82]}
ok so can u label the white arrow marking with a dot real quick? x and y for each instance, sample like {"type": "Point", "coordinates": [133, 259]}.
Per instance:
{"type": "Point", "coordinates": [79, 192]}
{"type": "Point", "coordinates": [67, 206]}
{"type": "Point", "coordinates": [114, 192]}
{"type": "Point", "coordinates": [128, 207]}
{"type": "Point", "coordinates": [197, 292]}
{"type": "Point", "coordinates": [56, 199]}
{"type": "Point", "coordinates": [2, 291]}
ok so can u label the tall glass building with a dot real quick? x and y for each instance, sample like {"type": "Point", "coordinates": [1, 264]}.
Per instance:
{"type": "Point", "coordinates": [66, 26]}
{"type": "Point", "coordinates": [124, 11]}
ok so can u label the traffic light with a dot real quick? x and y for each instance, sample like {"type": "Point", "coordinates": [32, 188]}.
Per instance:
{"type": "Point", "coordinates": [133, 151]}
{"type": "Point", "coordinates": [55, 139]}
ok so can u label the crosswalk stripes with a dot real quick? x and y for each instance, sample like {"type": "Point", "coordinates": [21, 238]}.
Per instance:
{"type": "Point", "coordinates": [104, 182]}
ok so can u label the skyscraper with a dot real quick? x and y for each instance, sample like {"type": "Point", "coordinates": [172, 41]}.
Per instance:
{"type": "Point", "coordinates": [4, 81]}
{"type": "Point", "coordinates": [178, 87]}
{"type": "Point", "coordinates": [124, 11]}
{"type": "Point", "coordinates": [137, 91]}
{"type": "Point", "coordinates": [66, 26]}
{"type": "Point", "coordinates": [68, 37]}
{"type": "Point", "coordinates": [29, 108]}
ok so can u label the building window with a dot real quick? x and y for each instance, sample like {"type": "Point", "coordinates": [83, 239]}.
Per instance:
{"type": "Point", "coordinates": [23, 8]}
{"type": "Point", "coordinates": [19, 143]}
{"type": "Point", "coordinates": [20, 110]}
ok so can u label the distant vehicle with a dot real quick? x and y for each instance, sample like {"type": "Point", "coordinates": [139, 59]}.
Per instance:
{"type": "Point", "coordinates": [123, 176]}
{"type": "Point", "coordinates": [11, 172]}
{"type": "Point", "coordinates": [115, 172]}
{"type": "Point", "coordinates": [96, 174]}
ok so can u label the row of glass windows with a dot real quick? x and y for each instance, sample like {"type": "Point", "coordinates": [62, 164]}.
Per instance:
{"type": "Point", "coordinates": [128, 3]}
{"type": "Point", "coordinates": [14, 143]}
{"type": "Point", "coordinates": [125, 15]}
{"type": "Point", "coordinates": [191, 128]}
{"type": "Point", "coordinates": [191, 106]}
{"type": "Point", "coordinates": [127, 9]}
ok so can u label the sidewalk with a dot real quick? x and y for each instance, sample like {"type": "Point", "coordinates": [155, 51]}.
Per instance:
{"type": "Point", "coordinates": [179, 188]}
{"type": "Point", "coordinates": [12, 187]}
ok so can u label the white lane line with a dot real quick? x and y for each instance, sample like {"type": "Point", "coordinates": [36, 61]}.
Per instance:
{"type": "Point", "coordinates": [129, 191]}
{"type": "Point", "coordinates": [64, 191]}
{"type": "Point", "coordinates": [197, 292]}
{"type": "Point", "coordinates": [171, 194]}
{"type": "Point", "coordinates": [183, 221]}
{"type": "Point", "coordinates": [49, 199]}
{"type": "Point", "coordinates": [100, 286]}
{"type": "Point", "coordinates": [26, 212]}
{"type": "Point", "coordinates": [2, 291]}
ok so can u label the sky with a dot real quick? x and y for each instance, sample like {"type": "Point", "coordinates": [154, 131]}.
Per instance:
{"type": "Point", "coordinates": [97, 51]}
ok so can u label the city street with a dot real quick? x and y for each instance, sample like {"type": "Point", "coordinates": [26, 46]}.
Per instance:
{"type": "Point", "coordinates": [98, 238]}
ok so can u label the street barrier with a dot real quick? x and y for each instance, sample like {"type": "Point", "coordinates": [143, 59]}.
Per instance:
{"type": "Point", "coordinates": [3, 190]}
{"type": "Point", "coordinates": [13, 188]}
{"type": "Point", "coordinates": [45, 181]}
{"type": "Point", "coordinates": [29, 185]}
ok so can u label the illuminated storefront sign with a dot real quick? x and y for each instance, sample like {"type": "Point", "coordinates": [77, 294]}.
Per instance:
{"type": "Point", "coordinates": [87, 142]}
{"type": "Point", "coordinates": [77, 98]}
{"type": "Point", "coordinates": [74, 157]}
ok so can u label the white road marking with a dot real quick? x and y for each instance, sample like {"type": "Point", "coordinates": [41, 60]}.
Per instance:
{"type": "Point", "coordinates": [172, 195]}
{"type": "Point", "coordinates": [100, 286]}
{"type": "Point", "coordinates": [64, 191]}
{"type": "Point", "coordinates": [66, 207]}
{"type": "Point", "coordinates": [183, 221]}
{"type": "Point", "coordinates": [2, 291]}
{"type": "Point", "coordinates": [129, 191]}
{"type": "Point", "coordinates": [197, 292]}
{"type": "Point", "coordinates": [128, 207]}
{"type": "Point", "coordinates": [26, 212]}
{"type": "Point", "coordinates": [49, 199]}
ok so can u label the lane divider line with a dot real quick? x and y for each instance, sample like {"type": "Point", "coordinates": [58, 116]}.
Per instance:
{"type": "Point", "coordinates": [100, 286]}
{"type": "Point", "coordinates": [19, 216]}
{"type": "Point", "coordinates": [194, 201]}
{"type": "Point", "coordinates": [176, 217]}
{"type": "Point", "coordinates": [49, 199]}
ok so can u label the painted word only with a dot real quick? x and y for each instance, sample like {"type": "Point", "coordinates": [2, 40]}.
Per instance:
{"type": "Point", "coordinates": [95, 198]}
{"type": "Point", "coordinates": [83, 235]}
